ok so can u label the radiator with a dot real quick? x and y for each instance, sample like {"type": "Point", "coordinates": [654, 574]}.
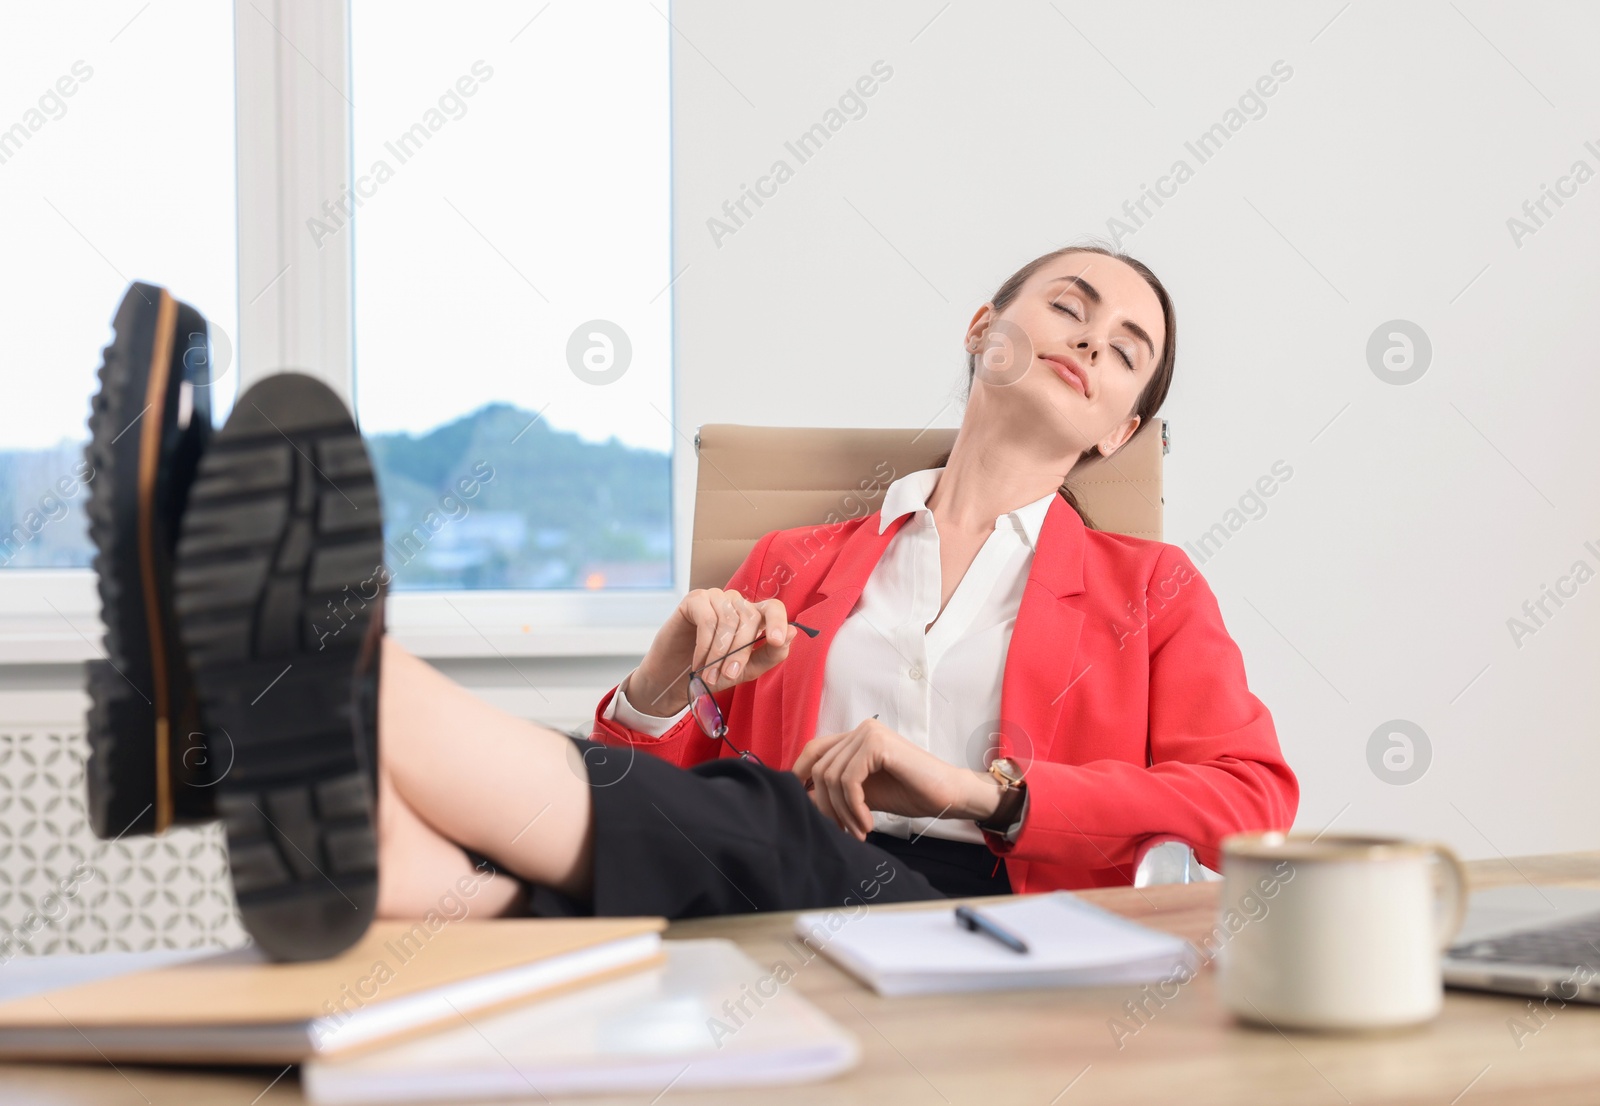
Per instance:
{"type": "Point", "coordinates": [63, 890]}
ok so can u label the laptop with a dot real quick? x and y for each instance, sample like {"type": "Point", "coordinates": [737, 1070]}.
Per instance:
{"type": "Point", "coordinates": [1529, 940]}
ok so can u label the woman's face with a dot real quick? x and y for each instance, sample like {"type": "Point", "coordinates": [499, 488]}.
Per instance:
{"type": "Point", "coordinates": [1065, 362]}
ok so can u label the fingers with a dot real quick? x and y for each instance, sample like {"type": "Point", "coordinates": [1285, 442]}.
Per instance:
{"type": "Point", "coordinates": [745, 633]}
{"type": "Point", "coordinates": [852, 793]}
{"type": "Point", "coordinates": [776, 637]}
{"type": "Point", "coordinates": [700, 609]}
{"type": "Point", "coordinates": [840, 775]}
{"type": "Point", "coordinates": [708, 625]}
{"type": "Point", "coordinates": [725, 616]}
{"type": "Point", "coordinates": [823, 793]}
{"type": "Point", "coordinates": [804, 764]}
{"type": "Point", "coordinates": [717, 616]}
{"type": "Point", "coordinates": [775, 621]}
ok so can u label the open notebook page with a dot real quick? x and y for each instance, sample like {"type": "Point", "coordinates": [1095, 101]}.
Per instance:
{"type": "Point", "coordinates": [1070, 942]}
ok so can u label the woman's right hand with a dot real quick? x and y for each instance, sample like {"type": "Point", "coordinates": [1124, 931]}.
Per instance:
{"type": "Point", "coordinates": [709, 623]}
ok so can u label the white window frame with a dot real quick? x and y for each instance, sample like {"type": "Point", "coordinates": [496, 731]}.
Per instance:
{"type": "Point", "coordinates": [296, 310]}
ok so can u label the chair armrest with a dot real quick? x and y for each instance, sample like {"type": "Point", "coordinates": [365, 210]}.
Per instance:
{"type": "Point", "coordinates": [1170, 860]}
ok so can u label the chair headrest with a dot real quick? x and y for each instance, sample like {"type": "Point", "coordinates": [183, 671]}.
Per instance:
{"type": "Point", "coordinates": [756, 479]}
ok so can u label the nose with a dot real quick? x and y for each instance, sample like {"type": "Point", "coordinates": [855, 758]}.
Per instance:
{"type": "Point", "coordinates": [1093, 353]}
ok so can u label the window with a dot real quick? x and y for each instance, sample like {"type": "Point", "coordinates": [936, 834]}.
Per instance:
{"type": "Point", "coordinates": [509, 213]}
{"type": "Point", "coordinates": [116, 164]}
{"type": "Point", "coordinates": [495, 298]}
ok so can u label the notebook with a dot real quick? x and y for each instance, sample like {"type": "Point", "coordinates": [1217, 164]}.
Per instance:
{"type": "Point", "coordinates": [402, 978]}
{"type": "Point", "coordinates": [1070, 943]}
{"type": "Point", "coordinates": [678, 1026]}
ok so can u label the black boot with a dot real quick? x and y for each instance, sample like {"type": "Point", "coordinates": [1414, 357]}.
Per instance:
{"type": "Point", "coordinates": [280, 586]}
{"type": "Point", "coordinates": [148, 426]}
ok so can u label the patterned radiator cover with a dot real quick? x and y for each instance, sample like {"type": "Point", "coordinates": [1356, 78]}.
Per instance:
{"type": "Point", "coordinates": [64, 890]}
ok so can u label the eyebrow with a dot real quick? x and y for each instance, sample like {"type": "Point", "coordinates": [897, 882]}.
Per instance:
{"type": "Point", "coordinates": [1094, 297]}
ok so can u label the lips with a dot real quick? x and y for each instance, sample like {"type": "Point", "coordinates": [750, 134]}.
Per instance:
{"type": "Point", "coordinates": [1069, 371]}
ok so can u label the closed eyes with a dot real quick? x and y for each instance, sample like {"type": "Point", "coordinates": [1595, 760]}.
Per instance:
{"type": "Point", "coordinates": [1126, 359]}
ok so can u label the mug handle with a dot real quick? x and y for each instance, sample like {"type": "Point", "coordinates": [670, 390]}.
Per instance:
{"type": "Point", "coordinates": [1452, 909]}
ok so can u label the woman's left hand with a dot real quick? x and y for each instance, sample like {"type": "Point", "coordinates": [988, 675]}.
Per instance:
{"type": "Point", "coordinates": [873, 768]}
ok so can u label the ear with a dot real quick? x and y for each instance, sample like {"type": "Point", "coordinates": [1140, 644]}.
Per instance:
{"type": "Point", "coordinates": [980, 323]}
{"type": "Point", "coordinates": [1119, 437]}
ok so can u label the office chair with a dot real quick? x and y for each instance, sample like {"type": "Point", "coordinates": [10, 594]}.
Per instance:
{"type": "Point", "coordinates": [756, 479]}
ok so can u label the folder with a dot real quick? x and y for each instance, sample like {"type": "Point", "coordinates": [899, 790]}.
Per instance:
{"type": "Point", "coordinates": [403, 978]}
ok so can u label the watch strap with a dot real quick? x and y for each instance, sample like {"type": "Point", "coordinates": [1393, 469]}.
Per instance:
{"type": "Point", "coordinates": [1005, 815]}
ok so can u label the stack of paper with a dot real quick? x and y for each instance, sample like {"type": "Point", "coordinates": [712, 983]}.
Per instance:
{"type": "Point", "coordinates": [710, 1017]}
{"type": "Point", "coordinates": [1070, 943]}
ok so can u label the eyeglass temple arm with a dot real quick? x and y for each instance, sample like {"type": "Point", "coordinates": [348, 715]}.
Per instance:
{"type": "Point", "coordinates": [806, 630]}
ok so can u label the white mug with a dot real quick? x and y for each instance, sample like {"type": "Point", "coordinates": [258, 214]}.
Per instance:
{"type": "Point", "coordinates": [1335, 932]}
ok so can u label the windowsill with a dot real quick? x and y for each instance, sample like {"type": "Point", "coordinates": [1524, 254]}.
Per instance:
{"type": "Point", "coordinates": [53, 618]}
{"type": "Point", "coordinates": [40, 644]}
{"type": "Point", "coordinates": [576, 641]}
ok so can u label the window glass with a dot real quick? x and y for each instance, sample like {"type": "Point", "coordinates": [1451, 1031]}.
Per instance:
{"type": "Point", "coordinates": [116, 165]}
{"type": "Point", "coordinates": [510, 213]}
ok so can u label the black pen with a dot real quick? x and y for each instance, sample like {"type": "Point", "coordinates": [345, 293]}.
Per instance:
{"type": "Point", "coordinates": [969, 919]}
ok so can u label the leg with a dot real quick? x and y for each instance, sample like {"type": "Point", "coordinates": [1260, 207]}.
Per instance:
{"type": "Point", "coordinates": [484, 779]}
{"type": "Point", "coordinates": [418, 867]}
{"type": "Point", "coordinates": [616, 831]}
{"type": "Point", "coordinates": [269, 545]}
{"type": "Point", "coordinates": [725, 837]}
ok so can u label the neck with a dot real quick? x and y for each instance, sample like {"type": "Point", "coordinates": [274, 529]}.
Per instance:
{"type": "Point", "coordinates": [988, 475]}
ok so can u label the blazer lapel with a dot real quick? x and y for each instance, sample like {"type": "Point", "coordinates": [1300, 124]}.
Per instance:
{"type": "Point", "coordinates": [835, 597]}
{"type": "Point", "coordinates": [1041, 660]}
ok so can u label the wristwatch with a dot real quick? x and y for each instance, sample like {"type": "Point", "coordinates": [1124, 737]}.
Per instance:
{"type": "Point", "coordinates": [1013, 789]}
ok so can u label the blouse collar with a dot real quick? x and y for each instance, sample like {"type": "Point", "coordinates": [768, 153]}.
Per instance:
{"type": "Point", "coordinates": [910, 493]}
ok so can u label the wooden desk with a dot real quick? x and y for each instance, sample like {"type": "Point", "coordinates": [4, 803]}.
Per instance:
{"type": "Point", "coordinates": [1056, 1048]}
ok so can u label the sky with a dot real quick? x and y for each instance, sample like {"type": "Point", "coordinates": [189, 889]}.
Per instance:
{"type": "Point", "coordinates": [133, 181]}
{"type": "Point", "coordinates": [540, 204]}
{"type": "Point", "coordinates": [537, 205]}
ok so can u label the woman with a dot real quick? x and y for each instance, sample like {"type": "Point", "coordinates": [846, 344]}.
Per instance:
{"type": "Point", "coordinates": [978, 617]}
{"type": "Point", "coordinates": [976, 614]}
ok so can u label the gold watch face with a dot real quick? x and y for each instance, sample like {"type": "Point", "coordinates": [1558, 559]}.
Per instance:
{"type": "Point", "coordinates": [1004, 768]}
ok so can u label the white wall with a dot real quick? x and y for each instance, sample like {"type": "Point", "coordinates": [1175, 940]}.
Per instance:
{"type": "Point", "coordinates": [1377, 186]}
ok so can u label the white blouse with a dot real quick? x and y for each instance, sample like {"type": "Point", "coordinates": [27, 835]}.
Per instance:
{"type": "Point", "coordinates": [939, 686]}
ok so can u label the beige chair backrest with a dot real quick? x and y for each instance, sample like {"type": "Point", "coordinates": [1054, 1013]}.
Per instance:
{"type": "Point", "coordinates": [756, 479]}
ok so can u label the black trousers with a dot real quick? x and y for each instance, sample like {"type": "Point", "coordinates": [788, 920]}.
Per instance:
{"type": "Point", "coordinates": [959, 869]}
{"type": "Point", "coordinates": [724, 837]}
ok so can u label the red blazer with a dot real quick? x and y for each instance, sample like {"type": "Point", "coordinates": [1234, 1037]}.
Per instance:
{"type": "Point", "coordinates": [1124, 698]}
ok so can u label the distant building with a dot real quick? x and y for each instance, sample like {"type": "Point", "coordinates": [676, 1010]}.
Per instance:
{"type": "Point", "coordinates": [625, 574]}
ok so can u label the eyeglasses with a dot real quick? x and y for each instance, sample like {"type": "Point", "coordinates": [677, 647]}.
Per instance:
{"type": "Point", "coordinates": [704, 708]}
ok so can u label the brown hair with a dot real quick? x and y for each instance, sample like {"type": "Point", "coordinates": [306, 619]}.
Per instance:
{"type": "Point", "coordinates": [1154, 394]}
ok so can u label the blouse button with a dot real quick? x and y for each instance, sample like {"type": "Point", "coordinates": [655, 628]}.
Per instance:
{"type": "Point", "coordinates": [916, 672]}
